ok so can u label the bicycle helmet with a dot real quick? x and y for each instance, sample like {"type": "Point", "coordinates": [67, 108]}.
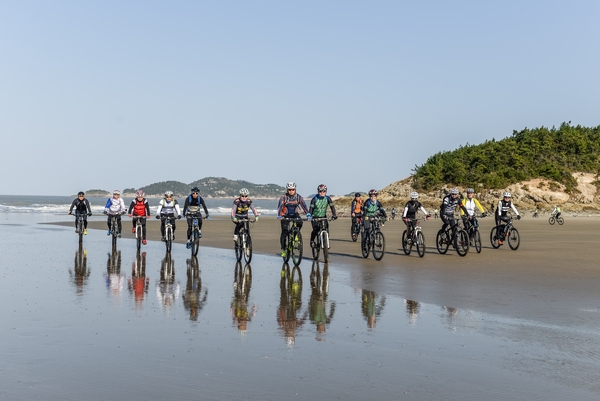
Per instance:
{"type": "Point", "coordinates": [244, 192]}
{"type": "Point", "coordinates": [168, 193]}
{"type": "Point", "coordinates": [357, 195]}
{"type": "Point", "coordinates": [322, 188]}
{"type": "Point", "coordinates": [454, 191]}
{"type": "Point", "coordinates": [80, 193]}
{"type": "Point", "coordinates": [507, 195]}
{"type": "Point", "coordinates": [372, 192]}
{"type": "Point", "coordinates": [414, 195]}
{"type": "Point", "coordinates": [139, 193]}
{"type": "Point", "coordinates": [290, 185]}
{"type": "Point", "coordinates": [116, 192]}
{"type": "Point", "coordinates": [470, 191]}
{"type": "Point", "coordinates": [195, 190]}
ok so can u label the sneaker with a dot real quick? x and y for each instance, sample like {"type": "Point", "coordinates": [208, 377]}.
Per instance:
{"type": "Point", "coordinates": [108, 233]}
{"type": "Point", "coordinates": [144, 242]}
{"type": "Point", "coordinates": [283, 253]}
{"type": "Point", "coordinates": [235, 237]}
{"type": "Point", "coordinates": [76, 231]}
{"type": "Point", "coordinates": [162, 239]}
{"type": "Point", "coordinates": [133, 230]}
{"type": "Point", "coordinates": [173, 237]}
{"type": "Point", "coordinates": [84, 232]}
{"type": "Point", "coordinates": [499, 242]}
{"type": "Point", "coordinates": [119, 235]}
{"type": "Point", "coordinates": [313, 244]}
{"type": "Point", "coordinates": [188, 245]}
{"type": "Point", "coordinates": [199, 233]}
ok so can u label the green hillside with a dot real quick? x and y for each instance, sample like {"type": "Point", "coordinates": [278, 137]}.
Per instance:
{"type": "Point", "coordinates": [531, 153]}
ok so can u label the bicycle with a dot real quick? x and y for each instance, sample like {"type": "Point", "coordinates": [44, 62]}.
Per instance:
{"type": "Point", "coordinates": [507, 230]}
{"type": "Point", "coordinates": [80, 225]}
{"type": "Point", "coordinates": [243, 245]}
{"type": "Point", "coordinates": [373, 240]}
{"type": "Point", "coordinates": [242, 279]}
{"type": "Point", "coordinates": [195, 236]}
{"type": "Point", "coordinates": [416, 238]}
{"type": "Point", "coordinates": [554, 219]}
{"type": "Point", "coordinates": [356, 229]}
{"type": "Point", "coordinates": [322, 240]}
{"type": "Point", "coordinates": [138, 231]}
{"type": "Point", "coordinates": [472, 229]}
{"type": "Point", "coordinates": [460, 239]}
{"type": "Point", "coordinates": [114, 228]}
{"type": "Point", "coordinates": [169, 234]}
{"type": "Point", "coordinates": [293, 241]}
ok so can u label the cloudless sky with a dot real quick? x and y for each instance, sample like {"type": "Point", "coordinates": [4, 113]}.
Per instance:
{"type": "Point", "coordinates": [353, 94]}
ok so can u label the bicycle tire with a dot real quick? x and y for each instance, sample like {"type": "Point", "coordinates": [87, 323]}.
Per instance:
{"type": "Point", "coordinates": [353, 232]}
{"type": "Point", "coordinates": [514, 239]}
{"type": "Point", "coordinates": [168, 240]}
{"type": "Point", "coordinates": [462, 242]}
{"type": "Point", "coordinates": [195, 243]}
{"type": "Point", "coordinates": [237, 245]}
{"type": "Point", "coordinates": [365, 246]}
{"type": "Point", "coordinates": [560, 221]}
{"type": "Point", "coordinates": [405, 246]}
{"type": "Point", "coordinates": [378, 246]}
{"type": "Point", "coordinates": [247, 251]}
{"type": "Point", "coordinates": [114, 231]}
{"type": "Point", "coordinates": [494, 238]}
{"type": "Point", "coordinates": [297, 249]}
{"type": "Point", "coordinates": [80, 230]}
{"type": "Point", "coordinates": [295, 284]}
{"type": "Point", "coordinates": [138, 237]}
{"type": "Point", "coordinates": [551, 220]}
{"type": "Point", "coordinates": [316, 249]}
{"type": "Point", "coordinates": [441, 242]}
{"type": "Point", "coordinates": [420, 244]}
{"type": "Point", "coordinates": [477, 241]}
{"type": "Point", "coordinates": [286, 246]}
{"type": "Point", "coordinates": [325, 245]}
{"type": "Point", "coordinates": [246, 280]}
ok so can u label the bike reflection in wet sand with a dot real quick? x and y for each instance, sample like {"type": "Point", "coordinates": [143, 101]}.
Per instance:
{"type": "Point", "coordinates": [167, 289]}
{"type": "Point", "coordinates": [290, 303]}
{"type": "Point", "coordinates": [320, 310]}
{"type": "Point", "coordinates": [138, 283]}
{"type": "Point", "coordinates": [242, 281]}
{"type": "Point", "coordinates": [371, 309]}
{"type": "Point", "coordinates": [113, 277]}
{"type": "Point", "coordinates": [194, 296]}
{"type": "Point", "coordinates": [412, 310]}
{"type": "Point", "coordinates": [80, 273]}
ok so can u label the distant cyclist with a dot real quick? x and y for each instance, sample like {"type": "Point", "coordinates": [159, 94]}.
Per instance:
{"type": "Point", "coordinates": [470, 203]}
{"type": "Point", "coordinates": [139, 208]}
{"type": "Point", "coordinates": [393, 213]}
{"type": "Point", "coordinates": [114, 208]}
{"type": "Point", "coordinates": [556, 212]}
{"type": "Point", "coordinates": [318, 209]}
{"type": "Point", "coordinates": [82, 208]}
{"type": "Point", "coordinates": [356, 211]}
{"type": "Point", "coordinates": [504, 205]}
{"type": "Point", "coordinates": [372, 208]}
{"type": "Point", "coordinates": [167, 207]}
{"type": "Point", "coordinates": [410, 213]}
{"type": "Point", "coordinates": [239, 210]}
{"type": "Point", "coordinates": [288, 208]}
{"type": "Point", "coordinates": [191, 211]}
{"type": "Point", "coordinates": [447, 209]}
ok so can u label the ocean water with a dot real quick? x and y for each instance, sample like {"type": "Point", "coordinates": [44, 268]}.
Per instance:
{"type": "Point", "coordinates": [61, 204]}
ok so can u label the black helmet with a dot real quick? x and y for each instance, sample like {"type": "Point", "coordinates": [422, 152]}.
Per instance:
{"type": "Point", "coordinates": [195, 190]}
{"type": "Point", "coordinates": [356, 195]}
{"type": "Point", "coordinates": [80, 193]}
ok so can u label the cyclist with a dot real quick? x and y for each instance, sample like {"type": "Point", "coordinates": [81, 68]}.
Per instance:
{"type": "Point", "coordinates": [318, 209]}
{"type": "Point", "coordinates": [356, 211]}
{"type": "Point", "coordinates": [393, 212]}
{"type": "Point", "coordinates": [239, 210]}
{"type": "Point", "coordinates": [139, 208]}
{"type": "Point", "coordinates": [167, 207]}
{"type": "Point", "coordinates": [449, 205]}
{"type": "Point", "coordinates": [502, 211]}
{"type": "Point", "coordinates": [556, 211]}
{"type": "Point", "coordinates": [288, 207]}
{"type": "Point", "coordinates": [114, 208]}
{"type": "Point", "coordinates": [82, 207]}
{"type": "Point", "coordinates": [410, 212]}
{"type": "Point", "coordinates": [191, 211]}
{"type": "Point", "coordinates": [371, 208]}
{"type": "Point", "coordinates": [470, 204]}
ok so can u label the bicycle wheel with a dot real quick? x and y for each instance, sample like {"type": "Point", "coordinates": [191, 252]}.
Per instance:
{"type": "Point", "coordinates": [514, 239]}
{"type": "Point", "coordinates": [378, 246]}
{"type": "Point", "coordinates": [316, 249]}
{"type": "Point", "coordinates": [477, 241]}
{"type": "Point", "coordinates": [353, 232]}
{"type": "Point", "coordinates": [247, 248]}
{"type": "Point", "coordinates": [296, 282]}
{"type": "Point", "coordinates": [195, 243]}
{"type": "Point", "coordinates": [420, 244]}
{"type": "Point", "coordinates": [551, 220]}
{"type": "Point", "coordinates": [138, 237]}
{"type": "Point", "coordinates": [441, 242]}
{"type": "Point", "coordinates": [297, 249]}
{"type": "Point", "coordinates": [80, 230]}
{"type": "Point", "coordinates": [462, 242]}
{"type": "Point", "coordinates": [406, 247]}
{"type": "Point", "coordinates": [494, 237]}
{"type": "Point", "coordinates": [560, 221]}
{"type": "Point", "coordinates": [169, 240]}
{"type": "Point", "coordinates": [325, 244]}
{"type": "Point", "coordinates": [286, 246]}
{"type": "Point", "coordinates": [365, 245]}
{"type": "Point", "coordinates": [246, 280]}
{"type": "Point", "coordinates": [238, 247]}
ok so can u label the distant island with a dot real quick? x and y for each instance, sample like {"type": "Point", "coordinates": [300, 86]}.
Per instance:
{"type": "Point", "coordinates": [210, 187]}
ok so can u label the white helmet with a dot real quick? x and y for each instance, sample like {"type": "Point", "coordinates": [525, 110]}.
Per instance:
{"type": "Point", "coordinates": [414, 195]}
{"type": "Point", "coordinates": [454, 191]}
{"type": "Point", "coordinates": [244, 192]}
{"type": "Point", "coordinates": [116, 192]}
{"type": "Point", "coordinates": [507, 195]}
{"type": "Point", "coordinates": [290, 185]}
{"type": "Point", "coordinates": [168, 193]}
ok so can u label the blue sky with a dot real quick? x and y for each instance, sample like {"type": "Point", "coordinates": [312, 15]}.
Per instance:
{"type": "Point", "coordinates": [352, 94]}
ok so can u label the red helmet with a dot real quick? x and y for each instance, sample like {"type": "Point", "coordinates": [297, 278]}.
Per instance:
{"type": "Point", "coordinates": [373, 192]}
{"type": "Point", "coordinates": [322, 188]}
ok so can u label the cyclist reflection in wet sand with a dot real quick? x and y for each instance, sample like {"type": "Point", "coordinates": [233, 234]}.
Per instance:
{"type": "Point", "coordinates": [412, 310]}
{"type": "Point", "coordinates": [113, 277]}
{"type": "Point", "coordinates": [370, 308]}
{"type": "Point", "coordinates": [241, 292]}
{"type": "Point", "coordinates": [290, 303]}
{"type": "Point", "coordinates": [319, 282]}
{"type": "Point", "coordinates": [80, 272]}
{"type": "Point", "coordinates": [138, 283]}
{"type": "Point", "coordinates": [167, 289]}
{"type": "Point", "coordinates": [194, 298]}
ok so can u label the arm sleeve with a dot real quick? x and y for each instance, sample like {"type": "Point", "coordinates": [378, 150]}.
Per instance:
{"type": "Point", "coordinates": [204, 206]}
{"type": "Point", "coordinates": [72, 206]}
{"type": "Point", "coordinates": [479, 206]}
{"type": "Point", "coordinates": [234, 208]}
{"type": "Point", "coordinates": [131, 207]}
{"type": "Point", "coordinates": [331, 205]}
{"type": "Point", "coordinates": [303, 204]}
{"type": "Point", "coordinates": [311, 207]}
{"type": "Point", "coordinates": [87, 205]}
{"type": "Point", "coordinates": [424, 211]}
{"type": "Point", "coordinates": [186, 204]}
{"type": "Point", "coordinates": [177, 208]}
{"type": "Point", "coordinates": [498, 208]}
{"type": "Point", "coordinates": [147, 207]}
{"type": "Point", "coordinates": [512, 205]}
{"type": "Point", "coordinates": [159, 208]}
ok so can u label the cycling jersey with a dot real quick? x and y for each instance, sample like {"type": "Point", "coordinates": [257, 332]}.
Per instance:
{"type": "Point", "coordinates": [356, 206]}
{"type": "Point", "coordinates": [288, 205]}
{"type": "Point", "coordinates": [192, 206]}
{"type": "Point", "coordinates": [371, 208]}
{"type": "Point", "coordinates": [81, 206]}
{"type": "Point", "coordinates": [470, 205]}
{"type": "Point", "coordinates": [319, 204]}
{"type": "Point", "coordinates": [411, 208]}
{"type": "Point", "coordinates": [168, 207]}
{"type": "Point", "coordinates": [449, 205]}
{"type": "Point", "coordinates": [240, 208]}
{"type": "Point", "coordinates": [139, 208]}
{"type": "Point", "coordinates": [115, 206]}
{"type": "Point", "coordinates": [503, 208]}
